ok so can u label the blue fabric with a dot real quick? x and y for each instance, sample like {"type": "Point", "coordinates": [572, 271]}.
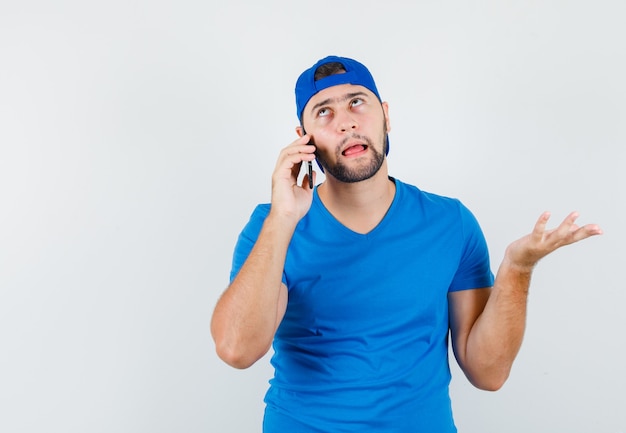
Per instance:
{"type": "Point", "coordinates": [356, 73]}
{"type": "Point", "coordinates": [363, 345]}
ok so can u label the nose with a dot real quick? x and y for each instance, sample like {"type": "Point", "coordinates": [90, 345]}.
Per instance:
{"type": "Point", "coordinates": [346, 122]}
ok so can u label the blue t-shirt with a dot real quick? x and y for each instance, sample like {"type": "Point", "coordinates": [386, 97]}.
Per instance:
{"type": "Point", "coordinates": [363, 345]}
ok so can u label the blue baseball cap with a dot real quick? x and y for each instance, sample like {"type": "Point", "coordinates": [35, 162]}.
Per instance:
{"type": "Point", "coordinates": [356, 74]}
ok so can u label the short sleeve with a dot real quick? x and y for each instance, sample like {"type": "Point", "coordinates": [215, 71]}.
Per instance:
{"type": "Point", "coordinates": [247, 238]}
{"type": "Point", "coordinates": [474, 269]}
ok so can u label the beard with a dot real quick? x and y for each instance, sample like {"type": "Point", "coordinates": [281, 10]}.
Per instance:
{"type": "Point", "coordinates": [346, 174]}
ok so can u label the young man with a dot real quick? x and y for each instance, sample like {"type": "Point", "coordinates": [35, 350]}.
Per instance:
{"type": "Point", "coordinates": [358, 281]}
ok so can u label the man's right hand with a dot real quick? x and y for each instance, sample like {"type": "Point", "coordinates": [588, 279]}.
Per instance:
{"type": "Point", "coordinates": [290, 200]}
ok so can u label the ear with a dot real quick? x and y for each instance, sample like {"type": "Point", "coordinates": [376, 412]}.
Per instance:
{"type": "Point", "coordinates": [299, 131]}
{"type": "Point", "coordinates": [385, 106]}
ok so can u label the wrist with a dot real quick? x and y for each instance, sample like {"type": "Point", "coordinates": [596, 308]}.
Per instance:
{"type": "Point", "coordinates": [517, 264]}
{"type": "Point", "coordinates": [282, 220]}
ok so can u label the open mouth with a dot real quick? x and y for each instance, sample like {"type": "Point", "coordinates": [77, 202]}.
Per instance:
{"type": "Point", "coordinates": [354, 150]}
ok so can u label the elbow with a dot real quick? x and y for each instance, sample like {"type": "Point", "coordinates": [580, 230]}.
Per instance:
{"type": "Point", "coordinates": [486, 373]}
{"type": "Point", "coordinates": [492, 385]}
{"type": "Point", "coordinates": [235, 358]}
{"type": "Point", "coordinates": [492, 382]}
{"type": "Point", "coordinates": [237, 349]}
{"type": "Point", "coordinates": [237, 354]}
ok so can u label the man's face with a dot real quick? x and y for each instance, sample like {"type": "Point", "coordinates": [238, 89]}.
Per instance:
{"type": "Point", "coordinates": [349, 126]}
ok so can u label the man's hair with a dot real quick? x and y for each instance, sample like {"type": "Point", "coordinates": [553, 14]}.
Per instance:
{"type": "Point", "coordinates": [328, 69]}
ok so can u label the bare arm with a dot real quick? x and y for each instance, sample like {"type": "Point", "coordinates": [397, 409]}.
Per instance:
{"type": "Point", "coordinates": [487, 325]}
{"type": "Point", "coordinates": [247, 315]}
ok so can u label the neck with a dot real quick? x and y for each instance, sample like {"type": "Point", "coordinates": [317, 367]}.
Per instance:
{"type": "Point", "coordinates": [360, 206]}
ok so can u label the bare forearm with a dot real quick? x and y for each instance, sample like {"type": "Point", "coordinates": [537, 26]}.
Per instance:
{"type": "Point", "coordinates": [245, 318]}
{"type": "Point", "coordinates": [496, 337]}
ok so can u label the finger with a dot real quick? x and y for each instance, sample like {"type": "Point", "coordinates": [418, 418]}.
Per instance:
{"type": "Point", "coordinates": [289, 166]}
{"type": "Point", "coordinates": [567, 225]}
{"type": "Point", "coordinates": [305, 181]}
{"type": "Point", "coordinates": [570, 220]}
{"type": "Point", "coordinates": [585, 232]}
{"type": "Point", "coordinates": [295, 169]}
{"type": "Point", "coordinates": [295, 154]}
{"type": "Point", "coordinates": [297, 146]}
{"type": "Point", "coordinates": [569, 232]}
{"type": "Point", "coordinates": [298, 159]}
{"type": "Point", "coordinates": [304, 140]}
{"type": "Point", "coordinates": [540, 225]}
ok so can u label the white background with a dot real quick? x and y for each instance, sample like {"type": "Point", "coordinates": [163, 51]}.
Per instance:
{"type": "Point", "coordinates": [137, 136]}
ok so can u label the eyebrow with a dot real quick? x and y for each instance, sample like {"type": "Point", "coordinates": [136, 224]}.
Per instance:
{"type": "Point", "coordinates": [335, 100]}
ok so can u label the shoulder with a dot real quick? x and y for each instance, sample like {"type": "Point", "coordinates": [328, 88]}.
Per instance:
{"type": "Point", "coordinates": [411, 193]}
{"type": "Point", "coordinates": [436, 209]}
{"type": "Point", "coordinates": [261, 211]}
{"type": "Point", "coordinates": [257, 218]}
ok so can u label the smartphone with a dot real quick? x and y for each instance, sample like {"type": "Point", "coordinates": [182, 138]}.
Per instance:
{"type": "Point", "coordinates": [310, 167]}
